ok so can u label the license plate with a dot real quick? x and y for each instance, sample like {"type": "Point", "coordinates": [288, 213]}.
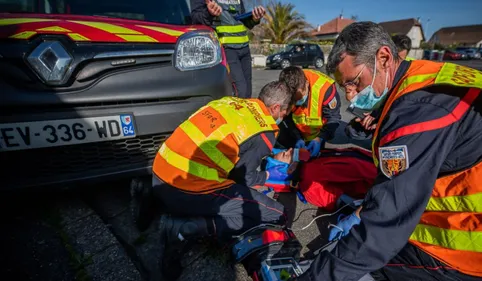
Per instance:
{"type": "Point", "coordinates": [28, 135]}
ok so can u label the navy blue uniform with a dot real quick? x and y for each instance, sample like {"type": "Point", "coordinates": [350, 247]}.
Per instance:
{"type": "Point", "coordinates": [393, 207]}
{"type": "Point", "coordinates": [236, 208]}
{"type": "Point", "coordinates": [289, 134]}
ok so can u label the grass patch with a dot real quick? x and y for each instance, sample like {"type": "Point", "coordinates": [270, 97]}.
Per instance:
{"type": "Point", "coordinates": [77, 262]}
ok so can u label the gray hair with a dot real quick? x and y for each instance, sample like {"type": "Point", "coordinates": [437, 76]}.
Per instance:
{"type": "Point", "coordinates": [276, 92]}
{"type": "Point", "coordinates": [362, 40]}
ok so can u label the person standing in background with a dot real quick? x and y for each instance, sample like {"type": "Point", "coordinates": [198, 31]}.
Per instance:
{"type": "Point", "coordinates": [404, 44]}
{"type": "Point", "coordinates": [232, 30]}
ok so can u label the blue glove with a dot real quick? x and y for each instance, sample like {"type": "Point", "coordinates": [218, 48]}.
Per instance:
{"type": "Point", "coordinates": [300, 144]}
{"type": "Point", "coordinates": [278, 173]}
{"type": "Point", "coordinates": [346, 224]}
{"type": "Point", "coordinates": [314, 147]}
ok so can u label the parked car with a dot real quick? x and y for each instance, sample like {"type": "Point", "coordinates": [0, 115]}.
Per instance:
{"type": "Point", "coordinates": [452, 55]}
{"type": "Point", "coordinates": [304, 55]}
{"type": "Point", "coordinates": [471, 53]}
{"type": "Point", "coordinates": [90, 91]}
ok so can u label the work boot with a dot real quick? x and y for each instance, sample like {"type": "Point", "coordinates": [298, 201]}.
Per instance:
{"type": "Point", "coordinates": [142, 203]}
{"type": "Point", "coordinates": [176, 235]}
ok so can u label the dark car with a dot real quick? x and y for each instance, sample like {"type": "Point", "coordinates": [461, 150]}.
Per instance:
{"type": "Point", "coordinates": [90, 90]}
{"type": "Point", "coordinates": [304, 55]}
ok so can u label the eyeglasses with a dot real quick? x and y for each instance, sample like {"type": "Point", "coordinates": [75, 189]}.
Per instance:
{"type": "Point", "coordinates": [353, 84]}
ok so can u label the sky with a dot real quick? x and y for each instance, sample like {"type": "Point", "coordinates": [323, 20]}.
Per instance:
{"type": "Point", "coordinates": [433, 14]}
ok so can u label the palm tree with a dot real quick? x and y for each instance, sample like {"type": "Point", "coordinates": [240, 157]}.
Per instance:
{"type": "Point", "coordinates": [283, 24]}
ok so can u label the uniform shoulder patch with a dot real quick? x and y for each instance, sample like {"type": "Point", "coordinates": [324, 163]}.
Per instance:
{"type": "Point", "coordinates": [333, 103]}
{"type": "Point", "coordinates": [393, 160]}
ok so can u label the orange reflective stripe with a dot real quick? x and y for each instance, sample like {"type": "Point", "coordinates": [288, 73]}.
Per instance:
{"type": "Point", "coordinates": [453, 220]}
{"type": "Point", "coordinates": [460, 183]}
{"type": "Point", "coordinates": [435, 124]}
{"type": "Point", "coordinates": [208, 120]}
{"type": "Point", "coordinates": [464, 261]}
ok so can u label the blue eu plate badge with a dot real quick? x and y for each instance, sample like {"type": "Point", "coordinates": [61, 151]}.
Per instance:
{"type": "Point", "coordinates": [127, 124]}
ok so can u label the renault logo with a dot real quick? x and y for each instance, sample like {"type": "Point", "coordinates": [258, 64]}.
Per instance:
{"type": "Point", "coordinates": [51, 61]}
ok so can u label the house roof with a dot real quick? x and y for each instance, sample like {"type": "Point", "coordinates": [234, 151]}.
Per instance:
{"type": "Point", "coordinates": [333, 27]}
{"type": "Point", "coordinates": [401, 26]}
{"type": "Point", "coordinates": [467, 34]}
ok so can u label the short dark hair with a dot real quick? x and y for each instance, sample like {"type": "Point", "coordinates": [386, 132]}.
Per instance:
{"type": "Point", "coordinates": [294, 77]}
{"type": "Point", "coordinates": [276, 92]}
{"type": "Point", "coordinates": [403, 42]}
{"type": "Point", "coordinates": [362, 40]}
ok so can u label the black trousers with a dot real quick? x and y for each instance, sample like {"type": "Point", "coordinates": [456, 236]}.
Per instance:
{"type": "Point", "coordinates": [413, 264]}
{"type": "Point", "coordinates": [239, 61]}
{"type": "Point", "coordinates": [233, 210]}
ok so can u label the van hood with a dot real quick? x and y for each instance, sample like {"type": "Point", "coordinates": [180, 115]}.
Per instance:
{"type": "Point", "coordinates": [90, 28]}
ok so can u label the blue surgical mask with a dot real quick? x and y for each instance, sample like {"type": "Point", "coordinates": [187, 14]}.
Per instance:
{"type": "Point", "coordinates": [302, 100]}
{"type": "Point", "coordinates": [279, 119]}
{"type": "Point", "coordinates": [367, 99]}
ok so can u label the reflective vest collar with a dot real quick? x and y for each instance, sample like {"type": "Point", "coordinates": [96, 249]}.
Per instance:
{"type": "Point", "coordinates": [422, 74]}
{"type": "Point", "coordinates": [308, 118]}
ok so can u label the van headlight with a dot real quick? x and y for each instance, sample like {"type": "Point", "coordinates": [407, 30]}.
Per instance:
{"type": "Point", "coordinates": [197, 50]}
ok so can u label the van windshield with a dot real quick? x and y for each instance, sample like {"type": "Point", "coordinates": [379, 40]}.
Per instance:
{"type": "Point", "coordinates": [162, 11]}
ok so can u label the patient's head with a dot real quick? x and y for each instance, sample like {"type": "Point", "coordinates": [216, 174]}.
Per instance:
{"type": "Point", "coordinates": [285, 156]}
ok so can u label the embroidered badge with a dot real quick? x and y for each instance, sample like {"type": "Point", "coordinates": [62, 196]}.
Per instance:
{"type": "Point", "coordinates": [393, 160]}
{"type": "Point", "coordinates": [333, 103]}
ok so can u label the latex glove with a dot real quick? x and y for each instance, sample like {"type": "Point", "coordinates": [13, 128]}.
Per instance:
{"type": "Point", "coordinates": [300, 144]}
{"type": "Point", "coordinates": [278, 173]}
{"type": "Point", "coordinates": [346, 224]}
{"type": "Point", "coordinates": [315, 146]}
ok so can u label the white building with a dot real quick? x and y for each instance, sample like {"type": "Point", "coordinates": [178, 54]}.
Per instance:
{"type": "Point", "coordinates": [410, 27]}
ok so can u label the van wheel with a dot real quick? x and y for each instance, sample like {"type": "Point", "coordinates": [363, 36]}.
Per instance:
{"type": "Point", "coordinates": [319, 63]}
{"type": "Point", "coordinates": [285, 63]}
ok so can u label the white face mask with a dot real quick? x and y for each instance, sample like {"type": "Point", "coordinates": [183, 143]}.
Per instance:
{"type": "Point", "coordinates": [367, 99]}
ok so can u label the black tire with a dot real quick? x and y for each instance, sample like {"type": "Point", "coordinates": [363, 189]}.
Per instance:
{"type": "Point", "coordinates": [285, 63]}
{"type": "Point", "coordinates": [318, 63]}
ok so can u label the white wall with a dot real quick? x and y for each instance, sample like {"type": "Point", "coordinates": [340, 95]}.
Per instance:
{"type": "Point", "coordinates": [416, 54]}
{"type": "Point", "coordinates": [479, 45]}
{"type": "Point", "coordinates": [415, 35]}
